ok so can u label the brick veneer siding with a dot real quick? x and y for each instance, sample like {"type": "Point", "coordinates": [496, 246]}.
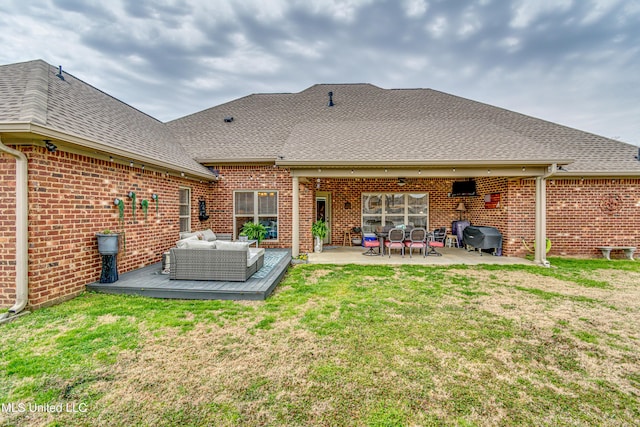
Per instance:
{"type": "Point", "coordinates": [70, 199]}
{"type": "Point", "coordinates": [254, 178]}
{"type": "Point", "coordinates": [7, 229]}
{"type": "Point", "coordinates": [583, 214]}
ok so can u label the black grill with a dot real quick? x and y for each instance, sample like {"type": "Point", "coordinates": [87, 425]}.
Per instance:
{"type": "Point", "coordinates": [483, 238]}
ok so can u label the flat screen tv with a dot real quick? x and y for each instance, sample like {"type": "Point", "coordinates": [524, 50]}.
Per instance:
{"type": "Point", "coordinates": [463, 188]}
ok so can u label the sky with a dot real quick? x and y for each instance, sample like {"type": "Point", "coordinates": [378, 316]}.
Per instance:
{"type": "Point", "coordinates": [573, 62]}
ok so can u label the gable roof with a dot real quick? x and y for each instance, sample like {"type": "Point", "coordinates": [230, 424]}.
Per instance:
{"type": "Point", "coordinates": [34, 96]}
{"type": "Point", "coordinates": [370, 125]}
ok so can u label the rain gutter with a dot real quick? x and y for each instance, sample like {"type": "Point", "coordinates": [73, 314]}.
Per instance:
{"type": "Point", "coordinates": [22, 237]}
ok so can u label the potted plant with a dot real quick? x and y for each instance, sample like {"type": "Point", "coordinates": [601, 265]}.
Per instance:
{"type": "Point", "coordinates": [107, 242]}
{"type": "Point", "coordinates": [254, 231]}
{"type": "Point", "coordinates": [319, 231]}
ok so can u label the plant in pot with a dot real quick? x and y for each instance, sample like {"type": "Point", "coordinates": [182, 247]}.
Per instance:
{"type": "Point", "coordinates": [319, 231]}
{"type": "Point", "coordinates": [254, 231]}
{"type": "Point", "coordinates": [107, 242]}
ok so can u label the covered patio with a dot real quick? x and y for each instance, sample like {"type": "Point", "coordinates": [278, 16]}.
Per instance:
{"type": "Point", "coordinates": [520, 210]}
{"type": "Point", "coordinates": [450, 256]}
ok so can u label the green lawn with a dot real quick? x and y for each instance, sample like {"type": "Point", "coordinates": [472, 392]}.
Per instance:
{"type": "Point", "coordinates": [342, 345]}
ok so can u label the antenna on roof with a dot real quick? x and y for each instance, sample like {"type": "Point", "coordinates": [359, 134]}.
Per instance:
{"type": "Point", "coordinates": [59, 75]}
{"type": "Point", "coordinates": [331, 104]}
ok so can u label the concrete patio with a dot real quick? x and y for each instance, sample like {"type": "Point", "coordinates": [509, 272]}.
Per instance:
{"type": "Point", "coordinates": [354, 255]}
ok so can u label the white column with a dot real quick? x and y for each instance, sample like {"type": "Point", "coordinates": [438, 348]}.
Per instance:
{"type": "Point", "coordinates": [541, 222]}
{"type": "Point", "coordinates": [295, 218]}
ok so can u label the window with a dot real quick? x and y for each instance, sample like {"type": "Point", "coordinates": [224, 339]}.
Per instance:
{"type": "Point", "coordinates": [184, 204]}
{"type": "Point", "coordinates": [256, 206]}
{"type": "Point", "coordinates": [394, 209]}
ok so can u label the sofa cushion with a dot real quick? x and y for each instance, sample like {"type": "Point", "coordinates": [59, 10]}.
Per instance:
{"type": "Point", "coordinates": [183, 242]}
{"type": "Point", "coordinates": [232, 246]}
{"type": "Point", "coordinates": [208, 235]}
{"type": "Point", "coordinates": [253, 254]}
{"type": "Point", "coordinates": [200, 244]}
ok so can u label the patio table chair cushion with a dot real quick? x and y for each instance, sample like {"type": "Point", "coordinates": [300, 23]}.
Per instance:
{"type": "Point", "coordinates": [370, 244]}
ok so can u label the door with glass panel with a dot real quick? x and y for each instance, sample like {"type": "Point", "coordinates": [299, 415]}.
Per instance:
{"type": "Point", "coordinates": [323, 212]}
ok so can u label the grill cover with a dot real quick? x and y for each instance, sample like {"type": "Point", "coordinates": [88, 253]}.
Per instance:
{"type": "Point", "coordinates": [483, 238]}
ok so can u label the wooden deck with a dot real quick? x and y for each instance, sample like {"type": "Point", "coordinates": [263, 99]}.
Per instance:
{"type": "Point", "coordinates": [149, 281]}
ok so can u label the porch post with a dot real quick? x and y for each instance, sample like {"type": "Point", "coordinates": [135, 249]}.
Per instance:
{"type": "Point", "coordinates": [295, 218]}
{"type": "Point", "coordinates": [541, 222]}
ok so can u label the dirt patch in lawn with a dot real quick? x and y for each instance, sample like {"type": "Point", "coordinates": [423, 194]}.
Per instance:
{"type": "Point", "coordinates": [211, 365]}
{"type": "Point", "coordinates": [596, 326]}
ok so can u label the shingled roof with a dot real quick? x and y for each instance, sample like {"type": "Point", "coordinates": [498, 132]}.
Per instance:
{"type": "Point", "coordinates": [32, 93]}
{"type": "Point", "coordinates": [371, 125]}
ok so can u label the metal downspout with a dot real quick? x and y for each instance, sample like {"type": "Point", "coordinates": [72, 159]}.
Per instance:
{"type": "Point", "coordinates": [22, 237]}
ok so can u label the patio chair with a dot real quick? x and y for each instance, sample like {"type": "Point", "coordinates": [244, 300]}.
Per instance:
{"type": "Point", "coordinates": [417, 239]}
{"type": "Point", "coordinates": [436, 240]}
{"type": "Point", "coordinates": [370, 242]}
{"type": "Point", "coordinates": [395, 240]}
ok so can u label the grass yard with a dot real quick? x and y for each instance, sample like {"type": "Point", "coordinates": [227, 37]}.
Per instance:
{"type": "Point", "coordinates": [342, 346]}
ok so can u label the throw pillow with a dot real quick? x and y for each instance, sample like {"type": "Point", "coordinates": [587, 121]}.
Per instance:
{"type": "Point", "coordinates": [183, 243]}
{"type": "Point", "coordinates": [208, 235]}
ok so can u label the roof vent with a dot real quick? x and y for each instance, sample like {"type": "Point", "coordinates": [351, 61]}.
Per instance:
{"type": "Point", "coordinates": [59, 75]}
{"type": "Point", "coordinates": [228, 119]}
{"type": "Point", "coordinates": [331, 104]}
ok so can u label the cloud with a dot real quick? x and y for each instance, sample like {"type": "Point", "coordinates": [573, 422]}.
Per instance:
{"type": "Point", "coordinates": [572, 62]}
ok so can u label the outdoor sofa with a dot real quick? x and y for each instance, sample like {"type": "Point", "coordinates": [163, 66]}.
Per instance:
{"type": "Point", "coordinates": [195, 259]}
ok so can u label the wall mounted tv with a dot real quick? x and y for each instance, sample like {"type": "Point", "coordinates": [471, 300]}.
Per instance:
{"type": "Point", "coordinates": [463, 188]}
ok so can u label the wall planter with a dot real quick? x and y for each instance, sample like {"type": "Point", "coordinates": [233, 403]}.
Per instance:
{"type": "Point", "coordinates": [132, 196]}
{"type": "Point", "coordinates": [144, 204]}
{"type": "Point", "coordinates": [107, 242]}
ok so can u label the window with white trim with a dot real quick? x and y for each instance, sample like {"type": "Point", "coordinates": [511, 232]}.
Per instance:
{"type": "Point", "coordinates": [259, 206]}
{"type": "Point", "coordinates": [184, 206]}
{"type": "Point", "coordinates": [380, 209]}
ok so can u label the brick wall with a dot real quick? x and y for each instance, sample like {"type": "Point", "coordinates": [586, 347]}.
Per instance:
{"type": "Point", "coordinates": [581, 214]}
{"type": "Point", "coordinates": [70, 199]}
{"type": "Point", "coordinates": [258, 177]}
{"type": "Point", "coordinates": [7, 230]}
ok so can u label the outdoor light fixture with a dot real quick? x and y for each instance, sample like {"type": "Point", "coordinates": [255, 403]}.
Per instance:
{"type": "Point", "coordinates": [402, 181]}
{"type": "Point", "coordinates": [50, 146]}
